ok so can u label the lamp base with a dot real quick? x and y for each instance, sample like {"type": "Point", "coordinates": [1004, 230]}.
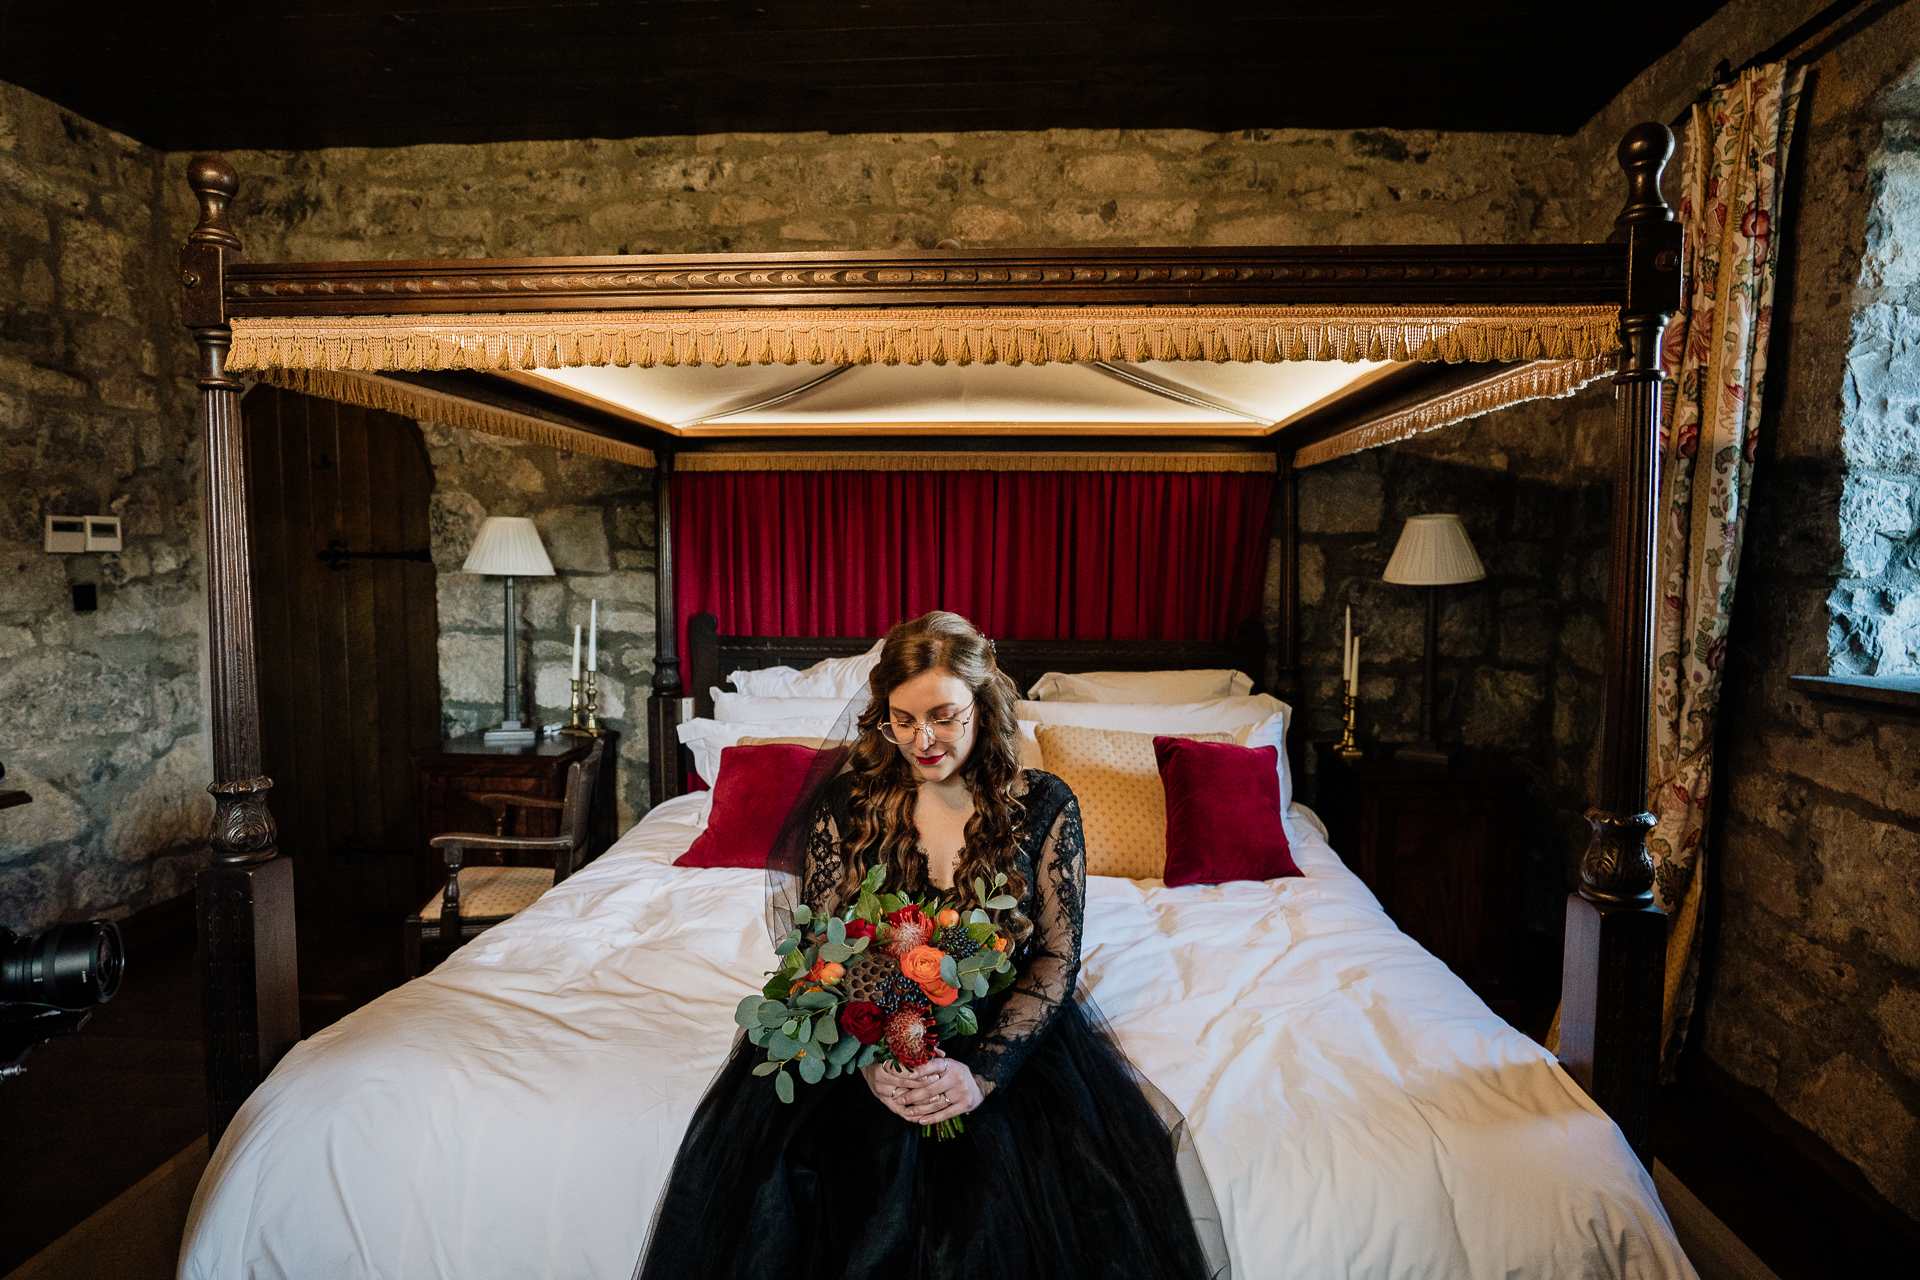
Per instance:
{"type": "Point", "coordinates": [513, 736]}
{"type": "Point", "coordinates": [1422, 753]}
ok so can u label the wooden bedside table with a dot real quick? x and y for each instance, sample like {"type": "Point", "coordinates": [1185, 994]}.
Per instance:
{"type": "Point", "coordinates": [446, 780]}
{"type": "Point", "coordinates": [1439, 848]}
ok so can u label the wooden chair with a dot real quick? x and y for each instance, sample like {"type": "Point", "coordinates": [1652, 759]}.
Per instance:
{"type": "Point", "coordinates": [477, 898]}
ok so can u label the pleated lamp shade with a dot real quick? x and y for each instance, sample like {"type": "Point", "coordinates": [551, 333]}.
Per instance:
{"type": "Point", "coordinates": [509, 546]}
{"type": "Point", "coordinates": [1433, 551]}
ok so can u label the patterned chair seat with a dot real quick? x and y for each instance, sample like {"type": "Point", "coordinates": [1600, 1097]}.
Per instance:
{"type": "Point", "coordinates": [491, 892]}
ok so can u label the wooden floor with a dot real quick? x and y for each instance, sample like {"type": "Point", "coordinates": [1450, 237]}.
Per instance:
{"type": "Point", "coordinates": [100, 1111]}
{"type": "Point", "coordinates": [97, 1112]}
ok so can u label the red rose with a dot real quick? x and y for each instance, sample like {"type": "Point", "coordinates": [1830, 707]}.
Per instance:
{"type": "Point", "coordinates": [863, 1020]}
{"type": "Point", "coordinates": [859, 929]}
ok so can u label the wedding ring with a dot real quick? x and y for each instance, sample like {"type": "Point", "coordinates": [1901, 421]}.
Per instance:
{"type": "Point", "coordinates": [943, 1096]}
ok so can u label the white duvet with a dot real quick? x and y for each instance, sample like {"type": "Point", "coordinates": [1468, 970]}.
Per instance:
{"type": "Point", "coordinates": [1358, 1111]}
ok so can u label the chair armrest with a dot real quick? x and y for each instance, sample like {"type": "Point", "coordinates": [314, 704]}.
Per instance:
{"type": "Point", "coordinates": [455, 841]}
{"type": "Point", "coordinates": [498, 800]}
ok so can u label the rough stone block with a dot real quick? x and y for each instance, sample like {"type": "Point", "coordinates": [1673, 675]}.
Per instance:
{"type": "Point", "coordinates": [986, 224]}
{"type": "Point", "coordinates": [1312, 571]}
{"type": "Point", "coordinates": [1856, 1110]}
{"type": "Point", "coordinates": [1870, 508]}
{"type": "Point", "coordinates": [1345, 496]}
{"type": "Point", "coordinates": [168, 808]}
{"type": "Point", "coordinates": [576, 538]}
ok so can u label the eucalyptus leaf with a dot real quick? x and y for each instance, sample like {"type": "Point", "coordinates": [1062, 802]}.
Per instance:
{"type": "Point", "coordinates": [805, 1030]}
{"type": "Point", "coordinates": [977, 916]}
{"type": "Point", "coordinates": [815, 1000]}
{"type": "Point", "coordinates": [869, 1054]}
{"type": "Point", "coordinates": [812, 1068]}
{"type": "Point", "coordinates": [833, 1069]}
{"type": "Point", "coordinates": [790, 1026]}
{"type": "Point", "coordinates": [772, 1013]}
{"type": "Point", "coordinates": [781, 1048]}
{"type": "Point", "coordinates": [836, 932]}
{"type": "Point", "coordinates": [999, 878]}
{"type": "Point", "coordinates": [859, 944]}
{"type": "Point", "coordinates": [783, 1087]}
{"type": "Point", "coordinates": [747, 1014]}
{"type": "Point", "coordinates": [766, 1068]}
{"type": "Point", "coordinates": [1004, 902]}
{"type": "Point", "coordinates": [758, 1035]}
{"type": "Point", "coordinates": [949, 972]}
{"type": "Point", "coordinates": [803, 914]}
{"type": "Point", "coordinates": [838, 952]}
{"type": "Point", "coordinates": [980, 984]}
{"type": "Point", "coordinates": [787, 945]}
{"type": "Point", "coordinates": [825, 1029]}
{"type": "Point", "coordinates": [844, 1050]}
{"type": "Point", "coordinates": [979, 889]}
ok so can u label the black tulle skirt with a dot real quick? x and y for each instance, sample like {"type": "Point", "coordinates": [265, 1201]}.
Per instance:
{"type": "Point", "coordinates": [1067, 1171]}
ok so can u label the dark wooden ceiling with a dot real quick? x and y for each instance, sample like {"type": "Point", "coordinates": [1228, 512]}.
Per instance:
{"type": "Point", "coordinates": [310, 73]}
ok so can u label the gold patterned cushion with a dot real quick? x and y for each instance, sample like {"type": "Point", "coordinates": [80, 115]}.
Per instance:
{"type": "Point", "coordinates": [1123, 806]}
{"type": "Point", "coordinates": [818, 744]}
{"type": "Point", "coordinates": [495, 891]}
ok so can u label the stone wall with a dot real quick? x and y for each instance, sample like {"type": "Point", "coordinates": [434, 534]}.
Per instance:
{"type": "Point", "coordinates": [1518, 679]}
{"type": "Point", "coordinates": [1811, 983]}
{"type": "Point", "coordinates": [596, 519]}
{"type": "Point", "coordinates": [104, 723]}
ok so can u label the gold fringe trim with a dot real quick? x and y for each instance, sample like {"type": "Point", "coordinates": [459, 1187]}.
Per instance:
{"type": "Point", "coordinates": [1185, 462]}
{"type": "Point", "coordinates": [915, 335]}
{"type": "Point", "coordinates": [408, 401]}
{"type": "Point", "coordinates": [1545, 380]}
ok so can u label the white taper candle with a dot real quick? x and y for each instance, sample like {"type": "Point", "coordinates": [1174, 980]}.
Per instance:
{"type": "Point", "coordinates": [593, 638]}
{"type": "Point", "coordinates": [576, 651]}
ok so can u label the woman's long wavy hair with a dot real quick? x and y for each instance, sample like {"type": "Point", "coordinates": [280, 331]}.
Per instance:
{"type": "Point", "coordinates": [884, 789]}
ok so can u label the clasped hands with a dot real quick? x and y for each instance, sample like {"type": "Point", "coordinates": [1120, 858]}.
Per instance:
{"type": "Point", "coordinates": [937, 1090]}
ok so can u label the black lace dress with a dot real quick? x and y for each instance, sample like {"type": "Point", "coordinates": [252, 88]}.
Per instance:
{"type": "Point", "coordinates": [1064, 1171]}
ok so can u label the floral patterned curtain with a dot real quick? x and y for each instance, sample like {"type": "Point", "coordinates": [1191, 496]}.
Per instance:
{"type": "Point", "coordinates": [1715, 355]}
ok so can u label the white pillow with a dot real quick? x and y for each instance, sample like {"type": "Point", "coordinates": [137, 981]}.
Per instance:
{"type": "Point", "coordinates": [1140, 686]}
{"type": "Point", "coordinates": [744, 708]}
{"type": "Point", "coordinates": [829, 678]}
{"type": "Point", "coordinates": [1262, 717]}
{"type": "Point", "coordinates": [708, 738]}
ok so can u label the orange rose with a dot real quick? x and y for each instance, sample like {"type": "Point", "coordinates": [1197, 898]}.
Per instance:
{"type": "Point", "coordinates": [922, 964]}
{"type": "Point", "coordinates": [939, 992]}
{"type": "Point", "coordinates": [822, 973]}
{"type": "Point", "coordinates": [947, 919]}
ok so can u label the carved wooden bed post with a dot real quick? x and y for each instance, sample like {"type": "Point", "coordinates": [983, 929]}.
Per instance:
{"type": "Point", "coordinates": [246, 896]}
{"type": "Point", "coordinates": [1616, 938]}
{"type": "Point", "coordinates": [663, 708]}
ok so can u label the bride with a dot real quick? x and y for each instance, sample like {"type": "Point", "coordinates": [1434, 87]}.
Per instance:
{"type": "Point", "coordinates": [1065, 1169]}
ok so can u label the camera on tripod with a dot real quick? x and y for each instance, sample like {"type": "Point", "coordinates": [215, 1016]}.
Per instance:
{"type": "Point", "coordinates": [50, 983]}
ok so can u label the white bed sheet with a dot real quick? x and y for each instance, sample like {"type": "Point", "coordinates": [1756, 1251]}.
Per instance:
{"type": "Point", "coordinates": [1359, 1112]}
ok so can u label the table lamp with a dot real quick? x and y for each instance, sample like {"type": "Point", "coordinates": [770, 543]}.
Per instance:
{"type": "Point", "coordinates": [510, 546]}
{"type": "Point", "coordinates": [1434, 551]}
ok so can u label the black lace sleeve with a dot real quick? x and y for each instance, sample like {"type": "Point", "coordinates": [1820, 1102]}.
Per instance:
{"type": "Point", "coordinates": [820, 887]}
{"type": "Point", "coordinates": [1053, 965]}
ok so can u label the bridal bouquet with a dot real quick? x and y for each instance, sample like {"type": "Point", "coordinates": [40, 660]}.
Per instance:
{"type": "Point", "coordinates": [883, 981]}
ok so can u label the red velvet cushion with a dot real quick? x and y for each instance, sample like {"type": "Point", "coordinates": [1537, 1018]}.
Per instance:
{"type": "Point", "coordinates": [1223, 812]}
{"type": "Point", "coordinates": [758, 788]}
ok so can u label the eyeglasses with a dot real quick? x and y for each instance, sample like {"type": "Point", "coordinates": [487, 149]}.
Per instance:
{"type": "Point", "coordinates": [904, 733]}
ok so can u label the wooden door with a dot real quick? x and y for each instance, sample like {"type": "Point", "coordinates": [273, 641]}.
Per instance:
{"type": "Point", "coordinates": [347, 637]}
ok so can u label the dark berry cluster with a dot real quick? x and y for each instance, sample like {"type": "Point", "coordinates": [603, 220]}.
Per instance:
{"type": "Point", "coordinates": [957, 942]}
{"type": "Point", "coordinates": [896, 991]}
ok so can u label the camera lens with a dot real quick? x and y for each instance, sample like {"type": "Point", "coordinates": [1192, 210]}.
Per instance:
{"type": "Point", "coordinates": [71, 966]}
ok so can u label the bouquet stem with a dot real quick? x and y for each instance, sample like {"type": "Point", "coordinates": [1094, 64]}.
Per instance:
{"type": "Point", "coordinates": [945, 1129]}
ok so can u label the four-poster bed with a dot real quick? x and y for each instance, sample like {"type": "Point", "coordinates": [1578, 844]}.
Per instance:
{"type": "Point", "coordinates": [1472, 327]}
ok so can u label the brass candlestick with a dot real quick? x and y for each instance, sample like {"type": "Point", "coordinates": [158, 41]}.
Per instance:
{"type": "Point", "coordinates": [1350, 713]}
{"type": "Point", "coordinates": [592, 727]}
{"type": "Point", "coordinates": [577, 705]}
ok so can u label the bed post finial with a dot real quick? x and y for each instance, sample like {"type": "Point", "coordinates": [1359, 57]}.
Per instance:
{"type": "Point", "coordinates": [1613, 979]}
{"type": "Point", "coordinates": [214, 182]}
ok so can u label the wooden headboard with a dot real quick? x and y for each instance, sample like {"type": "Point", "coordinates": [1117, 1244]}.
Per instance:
{"type": "Point", "coordinates": [712, 658]}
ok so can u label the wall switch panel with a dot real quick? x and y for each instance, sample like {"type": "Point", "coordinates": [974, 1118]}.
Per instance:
{"type": "Point", "coordinates": [66, 534]}
{"type": "Point", "coordinates": [103, 533]}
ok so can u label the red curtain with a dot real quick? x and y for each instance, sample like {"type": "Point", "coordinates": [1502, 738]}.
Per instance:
{"type": "Point", "coordinates": [1023, 554]}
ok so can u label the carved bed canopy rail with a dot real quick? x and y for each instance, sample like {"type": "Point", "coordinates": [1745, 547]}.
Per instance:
{"type": "Point", "coordinates": [492, 344]}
